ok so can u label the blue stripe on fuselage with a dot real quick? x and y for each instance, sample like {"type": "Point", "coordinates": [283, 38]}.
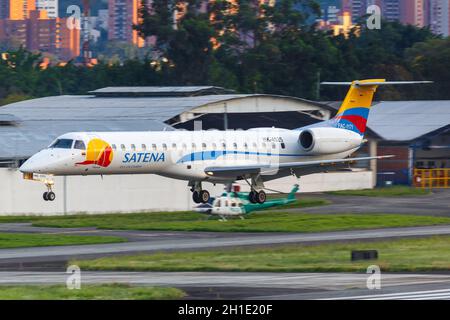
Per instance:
{"type": "Point", "coordinates": [213, 155]}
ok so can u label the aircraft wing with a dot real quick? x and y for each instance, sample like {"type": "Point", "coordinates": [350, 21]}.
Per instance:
{"type": "Point", "coordinates": [234, 171]}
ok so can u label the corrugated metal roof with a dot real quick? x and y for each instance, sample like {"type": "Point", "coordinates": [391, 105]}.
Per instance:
{"type": "Point", "coordinates": [160, 91]}
{"type": "Point", "coordinates": [408, 120]}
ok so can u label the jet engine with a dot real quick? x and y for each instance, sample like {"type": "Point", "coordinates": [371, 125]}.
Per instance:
{"type": "Point", "coordinates": [317, 141]}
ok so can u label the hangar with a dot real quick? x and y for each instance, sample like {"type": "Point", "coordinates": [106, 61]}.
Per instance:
{"type": "Point", "coordinates": [28, 126]}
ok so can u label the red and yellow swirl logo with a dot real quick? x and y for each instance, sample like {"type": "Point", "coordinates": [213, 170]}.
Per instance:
{"type": "Point", "coordinates": [99, 153]}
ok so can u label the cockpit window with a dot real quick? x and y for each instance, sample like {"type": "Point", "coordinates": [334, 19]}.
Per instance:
{"type": "Point", "coordinates": [79, 145]}
{"type": "Point", "coordinates": [62, 144]}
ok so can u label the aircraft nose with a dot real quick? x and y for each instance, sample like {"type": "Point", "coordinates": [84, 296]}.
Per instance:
{"type": "Point", "coordinates": [33, 165]}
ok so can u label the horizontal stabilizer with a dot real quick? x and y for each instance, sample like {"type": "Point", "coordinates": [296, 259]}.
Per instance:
{"type": "Point", "coordinates": [366, 84]}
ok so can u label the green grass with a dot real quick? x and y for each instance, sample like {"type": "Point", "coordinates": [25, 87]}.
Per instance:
{"type": "Point", "coordinates": [406, 255]}
{"type": "Point", "coordinates": [17, 240]}
{"type": "Point", "coordinates": [88, 292]}
{"type": "Point", "coordinates": [394, 191]}
{"type": "Point", "coordinates": [258, 222]}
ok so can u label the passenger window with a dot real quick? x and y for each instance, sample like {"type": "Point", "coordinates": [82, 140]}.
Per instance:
{"type": "Point", "coordinates": [164, 146]}
{"type": "Point", "coordinates": [235, 145]}
{"type": "Point", "coordinates": [154, 147]}
{"type": "Point", "coordinates": [233, 204]}
{"type": "Point", "coordinates": [133, 147]}
{"type": "Point", "coordinates": [79, 145]}
{"type": "Point", "coordinates": [193, 146]}
{"type": "Point", "coordinates": [246, 146]}
{"type": "Point", "coordinates": [62, 144]}
{"type": "Point", "coordinates": [122, 146]}
{"type": "Point", "coordinates": [144, 147]}
{"type": "Point", "coordinates": [224, 145]}
{"type": "Point", "coordinates": [214, 146]}
{"type": "Point", "coordinates": [255, 145]}
{"type": "Point", "coordinates": [283, 146]}
{"type": "Point", "coordinates": [204, 146]}
{"type": "Point", "coordinates": [273, 146]}
{"type": "Point", "coordinates": [113, 146]}
{"type": "Point", "coordinates": [174, 145]}
{"type": "Point", "coordinates": [184, 146]}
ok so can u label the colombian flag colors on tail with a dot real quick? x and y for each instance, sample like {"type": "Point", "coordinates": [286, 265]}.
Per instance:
{"type": "Point", "coordinates": [354, 110]}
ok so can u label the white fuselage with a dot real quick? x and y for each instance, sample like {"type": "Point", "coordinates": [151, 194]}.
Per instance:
{"type": "Point", "coordinates": [177, 154]}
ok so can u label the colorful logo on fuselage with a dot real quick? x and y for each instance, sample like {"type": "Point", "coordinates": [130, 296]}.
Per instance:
{"type": "Point", "coordinates": [98, 153]}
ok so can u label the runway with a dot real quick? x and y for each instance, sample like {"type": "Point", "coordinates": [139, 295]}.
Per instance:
{"type": "Point", "coordinates": [434, 204]}
{"type": "Point", "coordinates": [163, 241]}
{"type": "Point", "coordinates": [267, 286]}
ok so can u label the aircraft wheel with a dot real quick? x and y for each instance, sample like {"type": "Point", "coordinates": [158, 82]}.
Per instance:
{"type": "Point", "coordinates": [45, 196]}
{"type": "Point", "coordinates": [51, 196]}
{"type": "Point", "coordinates": [196, 197]}
{"type": "Point", "coordinates": [261, 197]}
{"type": "Point", "coordinates": [204, 196]}
{"type": "Point", "coordinates": [252, 196]}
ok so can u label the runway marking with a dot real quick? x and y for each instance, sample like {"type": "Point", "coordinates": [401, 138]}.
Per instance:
{"type": "Point", "coordinates": [445, 293]}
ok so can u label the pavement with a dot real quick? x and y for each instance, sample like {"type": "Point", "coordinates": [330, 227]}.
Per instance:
{"type": "Point", "coordinates": [264, 286]}
{"type": "Point", "coordinates": [57, 256]}
{"type": "Point", "coordinates": [46, 265]}
{"type": "Point", "coordinates": [435, 204]}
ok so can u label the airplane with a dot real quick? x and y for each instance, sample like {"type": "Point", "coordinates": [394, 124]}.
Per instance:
{"type": "Point", "coordinates": [255, 155]}
{"type": "Point", "coordinates": [237, 204]}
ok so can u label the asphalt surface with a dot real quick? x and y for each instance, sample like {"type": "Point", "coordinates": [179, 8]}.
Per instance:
{"type": "Point", "coordinates": [44, 257]}
{"type": "Point", "coordinates": [436, 204]}
{"type": "Point", "coordinates": [267, 286]}
{"type": "Point", "coordinates": [46, 265]}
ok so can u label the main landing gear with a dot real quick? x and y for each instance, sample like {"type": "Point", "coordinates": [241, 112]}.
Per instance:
{"type": "Point", "coordinates": [199, 195]}
{"type": "Point", "coordinates": [256, 184]}
{"type": "Point", "coordinates": [257, 196]}
{"type": "Point", "coordinates": [49, 195]}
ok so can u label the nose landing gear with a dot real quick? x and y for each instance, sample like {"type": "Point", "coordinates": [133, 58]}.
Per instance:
{"type": "Point", "coordinates": [49, 195]}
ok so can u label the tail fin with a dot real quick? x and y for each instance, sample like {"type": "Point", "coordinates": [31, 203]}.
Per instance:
{"type": "Point", "coordinates": [291, 195]}
{"type": "Point", "coordinates": [354, 111]}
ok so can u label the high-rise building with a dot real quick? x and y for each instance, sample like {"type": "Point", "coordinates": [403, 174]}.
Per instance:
{"type": "Point", "coordinates": [438, 16]}
{"type": "Point", "coordinates": [41, 32]}
{"type": "Point", "coordinates": [390, 10]}
{"type": "Point", "coordinates": [413, 12]}
{"type": "Point", "coordinates": [20, 9]}
{"type": "Point", "coordinates": [51, 6]}
{"type": "Point", "coordinates": [122, 15]}
{"type": "Point", "coordinates": [68, 45]}
{"type": "Point", "coordinates": [4, 9]}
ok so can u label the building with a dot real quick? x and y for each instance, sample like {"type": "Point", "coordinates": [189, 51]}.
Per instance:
{"type": "Point", "coordinates": [413, 12]}
{"type": "Point", "coordinates": [391, 10]}
{"type": "Point", "coordinates": [123, 14]}
{"type": "Point", "coordinates": [41, 32]}
{"type": "Point", "coordinates": [29, 25]}
{"type": "Point", "coordinates": [20, 9]}
{"type": "Point", "coordinates": [68, 44]}
{"type": "Point", "coordinates": [439, 17]}
{"type": "Point", "coordinates": [50, 6]}
{"type": "Point", "coordinates": [28, 126]}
